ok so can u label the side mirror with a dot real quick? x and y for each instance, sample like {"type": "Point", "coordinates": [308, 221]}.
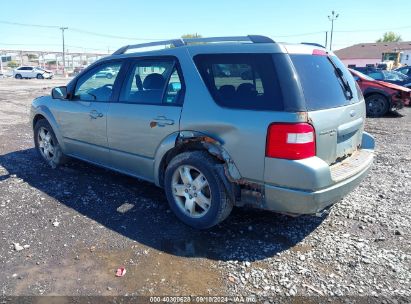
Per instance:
{"type": "Point", "coordinates": [59, 93]}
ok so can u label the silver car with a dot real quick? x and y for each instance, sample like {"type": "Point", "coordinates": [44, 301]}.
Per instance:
{"type": "Point", "coordinates": [289, 137]}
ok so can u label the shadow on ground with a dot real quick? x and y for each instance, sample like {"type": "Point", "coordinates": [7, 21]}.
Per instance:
{"type": "Point", "coordinates": [138, 210]}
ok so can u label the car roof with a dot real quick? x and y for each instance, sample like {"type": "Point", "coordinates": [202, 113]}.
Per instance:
{"type": "Point", "coordinates": [219, 45]}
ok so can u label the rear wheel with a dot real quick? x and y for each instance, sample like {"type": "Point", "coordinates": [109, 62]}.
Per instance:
{"type": "Point", "coordinates": [47, 145]}
{"type": "Point", "coordinates": [377, 105]}
{"type": "Point", "coordinates": [196, 191]}
{"type": "Point", "coordinates": [18, 76]}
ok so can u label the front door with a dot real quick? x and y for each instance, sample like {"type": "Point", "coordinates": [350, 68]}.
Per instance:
{"type": "Point", "coordinates": [148, 110]}
{"type": "Point", "coordinates": [83, 118]}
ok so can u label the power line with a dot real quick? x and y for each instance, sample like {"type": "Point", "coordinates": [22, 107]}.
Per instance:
{"type": "Point", "coordinates": [54, 44]}
{"type": "Point", "coordinates": [80, 31]}
{"type": "Point", "coordinates": [113, 36]}
{"type": "Point", "coordinates": [374, 30]}
{"type": "Point", "coordinates": [29, 25]}
{"type": "Point", "coordinates": [299, 35]}
{"type": "Point", "coordinates": [150, 39]}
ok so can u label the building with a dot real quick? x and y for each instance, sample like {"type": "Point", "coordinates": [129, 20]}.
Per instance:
{"type": "Point", "coordinates": [364, 54]}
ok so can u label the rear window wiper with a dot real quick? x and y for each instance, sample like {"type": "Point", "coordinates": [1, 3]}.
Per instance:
{"type": "Point", "coordinates": [344, 82]}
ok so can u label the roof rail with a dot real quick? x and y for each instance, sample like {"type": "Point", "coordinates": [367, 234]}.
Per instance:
{"type": "Point", "coordinates": [314, 44]}
{"type": "Point", "coordinates": [249, 38]}
{"type": "Point", "coordinates": [185, 41]}
{"type": "Point", "coordinates": [173, 42]}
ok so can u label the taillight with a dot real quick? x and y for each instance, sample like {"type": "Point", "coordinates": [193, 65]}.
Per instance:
{"type": "Point", "coordinates": [290, 141]}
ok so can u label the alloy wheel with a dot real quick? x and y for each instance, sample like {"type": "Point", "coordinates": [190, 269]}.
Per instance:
{"type": "Point", "coordinates": [191, 191]}
{"type": "Point", "coordinates": [46, 144]}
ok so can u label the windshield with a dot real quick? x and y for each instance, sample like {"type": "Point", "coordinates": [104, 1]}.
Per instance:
{"type": "Point", "coordinates": [325, 80]}
{"type": "Point", "coordinates": [394, 75]}
{"type": "Point", "coordinates": [362, 75]}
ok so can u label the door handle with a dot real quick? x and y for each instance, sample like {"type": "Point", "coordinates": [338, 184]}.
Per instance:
{"type": "Point", "coordinates": [161, 121]}
{"type": "Point", "coordinates": [94, 114]}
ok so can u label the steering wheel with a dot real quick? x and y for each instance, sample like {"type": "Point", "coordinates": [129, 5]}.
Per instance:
{"type": "Point", "coordinates": [109, 86]}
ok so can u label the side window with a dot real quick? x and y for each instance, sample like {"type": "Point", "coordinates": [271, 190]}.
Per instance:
{"type": "Point", "coordinates": [97, 85]}
{"type": "Point", "coordinates": [243, 81]}
{"type": "Point", "coordinates": [174, 89]}
{"type": "Point", "coordinates": [152, 81]}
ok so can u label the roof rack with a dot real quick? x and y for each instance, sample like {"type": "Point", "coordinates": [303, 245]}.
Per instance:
{"type": "Point", "coordinates": [185, 41]}
{"type": "Point", "coordinates": [314, 44]}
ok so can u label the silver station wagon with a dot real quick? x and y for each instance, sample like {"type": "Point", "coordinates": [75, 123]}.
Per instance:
{"type": "Point", "coordinates": [216, 122]}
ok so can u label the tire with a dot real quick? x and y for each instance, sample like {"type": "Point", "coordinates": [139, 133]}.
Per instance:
{"type": "Point", "coordinates": [39, 76]}
{"type": "Point", "coordinates": [18, 76]}
{"type": "Point", "coordinates": [219, 204]}
{"type": "Point", "coordinates": [109, 76]}
{"type": "Point", "coordinates": [377, 105]}
{"type": "Point", "coordinates": [51, 153]}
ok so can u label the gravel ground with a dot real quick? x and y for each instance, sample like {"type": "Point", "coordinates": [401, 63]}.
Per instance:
{"type": "Point", "coordinates": [66, 231]}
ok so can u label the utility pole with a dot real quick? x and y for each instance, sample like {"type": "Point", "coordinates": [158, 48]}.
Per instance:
{"type": "Point", "coordinates": [333, 17]}
{"type": "Point", "coordinates": [64, 60]}
{"type": "Point", "coordinates": [1, 63]}
{"type": "Point", "coordinates": [326, 39]}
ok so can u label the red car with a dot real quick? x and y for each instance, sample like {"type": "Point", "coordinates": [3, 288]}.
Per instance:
{"type": "Point", "coordinates": [381, 97]}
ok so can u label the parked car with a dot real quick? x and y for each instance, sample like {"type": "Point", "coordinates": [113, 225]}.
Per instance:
{"type": "Point", "coordinates": [406, 70]}
{"type": "Point", "coordinates": [380, 96]}
{"type": "Point", "coordinates": [78, 70]}
{"type": "Point", "coordinates": [290, 140]}
{"type": "Point", "coordinates": [107, 73]}
{"type": "Point", "coordinates": [389, 76]}
{"type": "Point", "coordinates": [32, 72]}
{"type": "Point", "coordinates": [366, 70]}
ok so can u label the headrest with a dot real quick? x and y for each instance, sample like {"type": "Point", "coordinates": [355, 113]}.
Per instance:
{"type": "Point", "coordinates": [153, 81]}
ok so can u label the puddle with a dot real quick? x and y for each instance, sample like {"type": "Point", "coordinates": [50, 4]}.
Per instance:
{"type": "Point", "coordinates": [149, 272]}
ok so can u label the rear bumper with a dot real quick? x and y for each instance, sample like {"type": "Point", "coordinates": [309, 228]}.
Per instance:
{"type": "Point", "coordinates": [336, 181]}
{"type": "Point", "coordinates": [304, 202]}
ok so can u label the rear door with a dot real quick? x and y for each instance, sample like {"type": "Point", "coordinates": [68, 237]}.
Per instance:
{"type": "Point", "coordinates": [333, 104]}
{"type": "Point", "coordinates": [147, 111]}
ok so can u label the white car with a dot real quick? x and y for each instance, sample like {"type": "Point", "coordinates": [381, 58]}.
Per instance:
{"type": "Point", "coordinates": [32, 72]}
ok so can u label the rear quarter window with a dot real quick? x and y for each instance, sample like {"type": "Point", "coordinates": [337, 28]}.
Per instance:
{"type": "Point", "coordinates": [321, 86]}
{"type": "Point", "coordinates": [241, 81]}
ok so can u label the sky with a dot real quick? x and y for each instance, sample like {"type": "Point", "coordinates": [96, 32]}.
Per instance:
{"type": "Point", "coordinates": [105, 25]}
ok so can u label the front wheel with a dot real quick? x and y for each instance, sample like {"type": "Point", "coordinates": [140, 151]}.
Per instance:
{"type": "Point", "coordinates": [39, 76]}
{"type": "Point", "coordinates": [47, 145]}
{"type": "Point", "coordinates": [195, 190]}
{"type": "Point", "coordinates": [377, 105]}
{"type": "Point", "coordinates": [18, 76]}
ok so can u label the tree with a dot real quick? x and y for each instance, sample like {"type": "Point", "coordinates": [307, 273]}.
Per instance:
{"type": "Point", "coordinates": [390, 37]}
{"type": "Point", "coordinates": [12, 64]}
{"type": "Point", "coordinates": [195, 35]}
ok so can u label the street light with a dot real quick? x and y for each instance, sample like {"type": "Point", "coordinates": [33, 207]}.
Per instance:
{"type": "Point", "coordinates": [332, 18]}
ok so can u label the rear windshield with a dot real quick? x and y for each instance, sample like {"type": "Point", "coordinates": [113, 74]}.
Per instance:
{"type": "Point", "coordinates": [322, 86]}
{"type": "Point", "coordinates": [241, 81]}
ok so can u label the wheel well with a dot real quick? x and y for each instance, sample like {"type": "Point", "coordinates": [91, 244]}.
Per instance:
{"type": "Point", "coordinates": [37, 118]}
{"type": "Point", "coordinates": [194, 144]}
